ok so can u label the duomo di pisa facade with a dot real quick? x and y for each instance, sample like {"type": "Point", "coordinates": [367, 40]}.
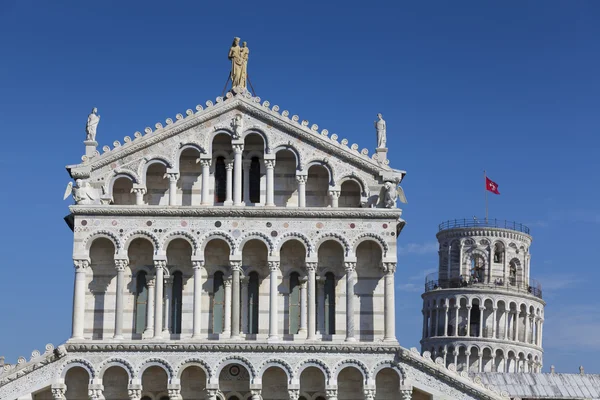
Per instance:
{"type": "Point", "coordinates": [238, 253]}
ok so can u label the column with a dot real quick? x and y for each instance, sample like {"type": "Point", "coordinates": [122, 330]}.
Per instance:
{"type": "Point", "coordinates": [273, 297]}
{"type": "Point", "coordinates": [424, 311]}
{"type": "Point", "coordinates": [449, 266]}
{"type": "Point", "coordinates": [120, 266]}
{"type": "Point", "coordinates": [303, 301]}
{"type": "Point", "coordinates": [237, 174]}
{"type": "Point", "coordinates": [430, 322]}
{"type": "Point", "coordinates": [270, 166]}
{"type": "Point", "coordinates": [246, 181]}
{"type": "Point", "coordinates": [168, 282]}
{"type": "Point", "coordinates": [389, 268]}
{"type": "Point", "coordinates": [311, 267]}
{"type": "Point", "coordinates": [81, 267]}
{"type": "Point", "coordinates": [480, 361]}
{"type": "Point", "coordinates": [173, 177]}
{"type": "Point", "coordinates": [320, 311]}
{"type": "Point", "coordinates": [236, 267]}
{"type": "Point", "coordinates": [139, 195]}
{"type": "Point", "coordinates": [244, 311]}
{"type": "Point", "coordinates": [301, 179]}
{"type": "Point", "coordinates": [527, 321]}
{"type": "Point", "coordinates": [227, 316]}
{"type": "Point", "coordinates": [494, 315]}
{"type": "Point", "coordinates": [206, 200]}
{"type": "Point", "coordinates": [350, 267]}
{"type": "Point", "coordinates": [229, 182]}
{"type": "Point", "coordinates": [457, 307]}
{"type": "Point", "coordinates": [335, 196]}
{"type": "Point", "coordinates": [437, 320]}
{"type": "Point", "coordinates": [541, 330]}
{"type": "Point", "coordinates": [149, 331]}
{"type": "Point", "coordinates": [506, 317]}
{"type": "Point", "coordinates": [455, 354]}
{"type": "Point", "coordinates": [481, 321]}
{"type": "Point", "coordinates": [446, 318]}
{"type": "Point", "coordinates": [517, 325]}
{"type": "Point", "coordinates": [469, 320]}
{"type": "Point", "coordinates": [159, 265]}
{"type": "Point", "coordinates": [197, 318]}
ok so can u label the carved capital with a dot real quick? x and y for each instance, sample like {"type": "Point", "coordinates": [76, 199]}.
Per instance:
{"type": "Point", "coordinates": [173, 176]}
{"type": "Point", "coordinates": [212, 394]}
{"type": "Point", "coordinates": [95, 394]}
{"type": "Point", "coordinates": [301, 179]}
{"type": "Point", "coordinates": [168, 281]}
{"type": "Point", "coordinates": [235, 265]}
{"type": "Point", "coordinates": [121, 264]}
{"type": "Point", "coordinates": [335, 194]}
{"type": "Point", "coordinates": [151, 282]}
{"type": "Point", "coordinates": [256, 394]}
{"type": "Point", "coordinates": [349, 266]}
{"type": "Point", "coordinates": [174, 393]}
{"type": "Point", "coordinates": [331, 394]}
{"type": "Point", "coordinates": [197, 264]}
{"type": "Point", "coordinates": [369, 394]}
{"type": "Point", "coordinates": [205, 162]}
{"type": "Point", "coordinates": [81, 265]}
{"type": "Point", "coordinates": [160, 264]}
{"type": "Point", "coordinates": [238, 148]}
{"type": "Point", "coordinates": [273, 266]}
{"type": "Point", "coordinates": [389, 267]}
{"type": "Point", "coordinates": [229, 165]}
{"type": "Point", "coordinates": [58, 393]}
{"type": "Point", "coordinates": [406, 393]}
{"type": "Point", "coordinates": [134, 394]}
{"type": "Point", "coordinates": [269, 164]}
{"type": "Point", "coordinates": [227, 281]}
{"type": "Point", "coordinates": [311, 266]}
{"type": "Point", "coordinates": [141, 191]}
{"type": "Point", "coordinates": [294, 394]}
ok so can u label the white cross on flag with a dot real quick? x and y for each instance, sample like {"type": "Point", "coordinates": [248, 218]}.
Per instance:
{"type": "Point", "coordinates": [491, 186]}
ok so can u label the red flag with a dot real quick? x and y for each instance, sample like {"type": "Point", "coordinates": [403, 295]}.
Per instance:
{"type": "Point", "coordinates": [491, 186]}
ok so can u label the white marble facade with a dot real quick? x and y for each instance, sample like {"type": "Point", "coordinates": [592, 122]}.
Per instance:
{"type": "Point", "coordinates": [235, 253]}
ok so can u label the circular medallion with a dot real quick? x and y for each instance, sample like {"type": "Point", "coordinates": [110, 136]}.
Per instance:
{"type": "Point", "coordinates": [114, 223]}
{"type": "Point", "coordinates": [234, 370]}
{"type": "Point", "coordinates": [149, 223]}
{"type": "Point", "coordinates": [183, 223]}
{"type": "Point", "coordinates": [385, 226]}
{"type": "Point", "coordinates": [269, 224]}
{"type": "Point", "coordinates": [84, 222]}
{"type": "Point", "coordinates": [286, 225]}
{"type": "Point", "coordinates": [274, 233]}
{"type": "Point", "coordinates": [218, 224]}
{"type": "Point", "coordinates": [352, 226]}
{"type": "Point", "coordinates": [319, 225]}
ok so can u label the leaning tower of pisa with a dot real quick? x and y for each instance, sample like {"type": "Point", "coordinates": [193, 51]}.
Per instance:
{"type": "Point", "coordinates": [482, 311]}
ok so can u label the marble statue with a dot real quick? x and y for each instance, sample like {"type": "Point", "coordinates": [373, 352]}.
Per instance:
{"type": "Point", "coordinates": [390, 193]}
{"type": "Point", "coordinates": [92, 124]}
{"type": "Point", "coordinates": [81, 192]}
{"type": "Point", "coordinates": [237, 125]}
{"type": "Point", "coordinates": [245, 52]}
{"type": "Point", "coordinates": [237, 64]}
{"type": "Point", "coordinates": [381, 135]}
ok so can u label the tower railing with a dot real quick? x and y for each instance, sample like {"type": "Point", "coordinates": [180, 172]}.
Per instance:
{"type": "Point", "coordinates": [483, 223]}
{"type": "Point", "coordinates": [531, 286]}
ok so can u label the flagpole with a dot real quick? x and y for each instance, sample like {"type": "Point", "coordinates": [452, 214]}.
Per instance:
{"type": "Point", "coordinates": [486, 196]}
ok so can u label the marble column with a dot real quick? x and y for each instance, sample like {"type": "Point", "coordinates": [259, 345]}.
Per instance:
{"type": "Point", "coordinates": [494, 315]}
{"type": "Point", "coordinates": [227, 316]}
{"type": "Point", "coordinates": [149, 331]}
{"type": "Point", "coordinates": [481, 321]}
{"type": "Point", "coordinates": [457, 308]}
{"type": "Point", "coordinates": [246, 180]}
{"type": "Point", "coordinates": [311, 268]}
{"type": "Point", "coordinates": [446, 319]}
{"type": "Point", "coordinates": [506, 317]}
{"type": "Point", "coordinates": [139, 195]}
{"type": "Point", "coordinates": [236, 267]}
{"type": "Point", "coordinates": [449, 264]}
{"type": "Point", "coordinates": [120, 266]}
{"type": "Point", "coordinates": [437, 320]}
{"type": "Point", "coordinates": [480, 362]}
{"type": "Point", "coordinates": [320, 306]}
{"type": "Point", "coordinates": [541, 331]}
{"type": "Point", "coordinates": [197, 318]}
{"type": "Point", "coordinates": [430, 322]}
{"type": "Point", "coordinates": [168, 282]}
{"type": "Point", "coordinates": [244, 311]}
{"type": "Point", "coordinates": [335, 196]}
{"type": "Point", "coordinates": [350, 272]}
{"type": "Point", "coordinates": [303, 301]}
{"type": "Point", "coordinates": [424, 312]}
{"type": "Point", "coordinates": [517, 313]}
{"type": "Point", "coordinates": [301, 179]}
{"type": "Point", "coordinates": [237, 174]}
{"type": "Point", "coordinates": [389, 269]}
{"type": "Point", "coordinates": [469, 320]}
{"type": "Point", "coordinates": [173, 177]}
{"type": "Point", "coordinates": [160, 266]}
{"type": "Point", "coordinates": [229, 182]}
{"type": "Point", "coordinates": [206, 200]}
{"type": "Point", "coordinates": [455, 354]}
{"type": "Point", "coordinates": [270, 166]}
{"type": "Point", "coordinates": [527, 327]}
{"type": "Point", "coordinates": [81, 267]}
{"type": "Point", "coordinates": [273, 299]}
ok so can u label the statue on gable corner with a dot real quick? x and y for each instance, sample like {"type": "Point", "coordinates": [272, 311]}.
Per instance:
{"type": "Point", "coordinates": [92, 124]}
{"type": "Point", "coordinates": [239, 59]}
{"type": "Point", "coordinates": [82, 192]}
{"type": "Point", "coordinates": [381, 132]}
{"type": "Point", "coordinates": [390, 193]}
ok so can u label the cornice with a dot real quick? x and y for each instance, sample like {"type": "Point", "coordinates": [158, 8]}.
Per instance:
{"type": "Point", "coordinates": [237, 212]}
{"type": "Point", "coordinates": [484, 291]}
{"type": "Point", "coordinates": [484, 232]}
{"type": "Point", "coordinates": [482, 341]}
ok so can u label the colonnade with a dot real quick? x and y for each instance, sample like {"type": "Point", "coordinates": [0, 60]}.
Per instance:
{"type": "Point", "coordinates": [158, 307]}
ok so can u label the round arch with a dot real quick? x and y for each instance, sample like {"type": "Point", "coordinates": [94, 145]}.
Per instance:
{"type": "Point", "coordinates": [193, 362]}
{"type": "Point", "coordinates": [183, 146]}
{"type": "Point", "coordinates": [116, 175]}
{"type": "Point", "coordinates": [256, 236]}
{"type": "Point", "coordinates": [372, 237]}
{"type": "Point", "coordinates": [351, 363]}
{"type": "Point", "coordinates": [361, 183]}
{"type": "Point", "coordinates": [291, 149]}
{"type": "Point", "coordinates": [312, 362]}
{"type": "Point", "coordinates": [277, 363]}
{"type": "Point", "coordinates": [141, 234]}
{"type": "Point", "coordinates": [188, 237]}
{"type": "Point", "coordinates": [207, 237]}
{"type": "Point", "coordinates": [335, 237]}
{"type": "Point", "coordinates": [156, 362]}
{"type": "Point", "coordinates": [255, 130]}
{"type": "Point", "coordinates": [76, 362]}
{"type": "Point", "coordinates": [234, 360]}
{"type": "Point", "coordinates": [151, 160]}
{"type": "Point", "coordinates": [102, 234]}
{"type": "Point", "coordinates": [386, 364]}
{"type": "Point", "coordinates": [324, 164]}
{"type": "Point", "coordinates": [116, 362]}
{"type": "Point", "coordinates": [300, 237]}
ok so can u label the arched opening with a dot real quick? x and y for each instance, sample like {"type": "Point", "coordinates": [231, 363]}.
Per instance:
{"type": "Point", "coordinates": [350, 384]}
{"type": "Point", "coordinates": [317, 187]}
{"type": "Point", "coordinates": [499, 252]}
{"type": "Point", "coordinates": [253, 303]}
{"type": "Point", "coordinates": [141, 287]}
{"type": "Point", "coordinates": [157, 185]}
{"type": "Point", "coordinates": [255, 176]}
{"type": "Point", "coordinates": [216, 260]}
{"type": "Point", "coordinates": [122, 192]}
{"type": "Point", "coordinates": [220, 180]}
{"type": "Point", "coordinates": [189, 184]}
{"type": "Point", "coordinates": [512, 272]}
{"type": "Point", "coordinates": [473, 361]}
{"type": "Point", "coordinates": [234, 379]}
{"type": "Point", "coordinates": [180, 316]}
{"type": "Point", "coordinates": [463, 359]}
{"type": "Point", "coordinates": [294, 303]}
{"type": "Point", "coordinates": [477, 269]}
{"type": "Point", "coordinates": [177, 303]}
{"type": "Point", "coordinates": [154, 382]}
{"type": "Point", "coordinates": [254, 261]}
{"type": "Point", "coordinates": [77, 380]}
{"type": "Point", "coordinates": [368, 274]}
{"type": "Point", "coordinates": [221, 151]}
{"type": "Point", "coordinates": [103, 281]}
{"type": "Point", "coordinates": [350, 194]}
{"type": "Point", "coordinates": [501, 320]}
{"type": "Point", "coordinates": [500, 362]}
{"type": "Point", "coordinates": [286, 187]}
{"type": "Point", "coordinates": [274, 384]}
{"type": "Point", "coordinates": [193, 383]}
{"type": "Point", "coordinates": [475, 318]}
{"type": "Point", "coordinates": [329, 317]}
{"type": "Point", "coordinates": [488, 319]}
{"type": "Point", "coordinates": [312, 382]}
{"type": "Point", "coordinates": [331, 260]}
{"type": "Point", "coordinates": [252, 177]}
{"type": "Point", "coordinates": [387, 384]}
{"type": "Point", "coordinates": [452, 317]}
{"type": "Point", "coordinates": [487, 364]}
{"type": "Point", "coordinates": [218, 302]}
{"type": "Point", "coordinates": [115, 381]}
{"type": "Point", "coordinates": [463, 313]}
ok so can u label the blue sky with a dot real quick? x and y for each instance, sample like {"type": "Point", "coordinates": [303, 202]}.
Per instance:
{"type": "Point", "coordinates": [511, 87]}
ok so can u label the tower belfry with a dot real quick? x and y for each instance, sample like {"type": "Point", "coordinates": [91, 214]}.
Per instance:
{"type": "Point", "coordinates": [482, 311]}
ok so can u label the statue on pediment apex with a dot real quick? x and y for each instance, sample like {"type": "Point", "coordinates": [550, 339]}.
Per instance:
{"type": "Point", "coordinates": [239, 61]}
{"type": "Point", "coordinates": [92, 125]}
{"type": "Point", "coordinates": [381, 132]}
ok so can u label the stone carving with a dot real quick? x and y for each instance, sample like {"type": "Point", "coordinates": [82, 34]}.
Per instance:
{"type": "Point", "coordinates": [381, 132]}
{"type": "Point", "coordinates": [82, 192]}
{"type": "Point", "coordinates": [238, 68]}
{"type": "Point", "coordinates": [59, 393]}
{"type": "Point", "coordinates": [390, 193]}
{"type": "Point", "coordinates": [245, 52]}
{"type": "Point", "coordinates": [238, 126]}
{"type": "Point", "coordinates": [256, 394]}
{"type": "Point", "coordinates": [92, 125]}
{"type": "Point", "coordinates": [369, 394]}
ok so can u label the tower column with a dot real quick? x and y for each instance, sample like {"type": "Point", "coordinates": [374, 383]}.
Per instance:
{"type": "Point", "coordinates": [517, 313]}
{"type": "Point", "coordinates": [506, 317]}
{"type": "Point", "coordinates": [389, 269]}
{"type": "Point", "coordinates": [167, 306]}
{"type": "Point", "coordinates": [206, 200]}
{"type": "Point", "coordinates": [246, 171]}
{"type": "Point", "coordinates": [350, 267]}
{"type": "Point", "coordinates": [120, 266]}
{"type": "Point", "coordinates": [469, 307]}
{"type": "Point", "coordinates": [437, 320]}
{"type": "Point", "coordinates": [541, 331]}
{"type": "Point", "coordinates": [311, 268]}
{"type": "Point", "coordinates": [270, 166]}
{"type": "Point", "coordinates": [197, 318]}
{"type": "Point", "coordinates": [273, 298]}
{"type": "Point", "coordinates": [81, 267]}
{"type": "Point", "coordinates": [446, 318]}
{"type": "Point", "coordinates": [494, 330]}
{"type": "Point", "coordinates": [430, 322]}
{"type": "Point", "coordinates": [139, 195]}
{"type": "Point", "coordinates": [236, 267]}
{"type": "Point", "coordinates": [481, 321]}
{"type": "Point", "coordinates": [303, 301]}
{"type": "Point", "coordinates": [244, 312]}
{"type": "Point", "coordinates": [237, 174]}
{"type": "Point", "coordinates": [149, 331]}
{"type": "Point", "coordinates": [227, 313]}
{"type": "Point", "coordinates": [301, 179]}
{"type": "Point", "coordinates": [228, 182]}
{"type": "Point", "coordinates": [424, 312]}
{"type": "Point", "coordinates": [449, 264]}
{"type": "Point", "coordinates": [527, 322]}
{"type": "Point", "coordinates": [173, 177]}
{"type": "Point", "coordinates": [457, 308]}
{"type": "Point", "coordinates": [159, 266]}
